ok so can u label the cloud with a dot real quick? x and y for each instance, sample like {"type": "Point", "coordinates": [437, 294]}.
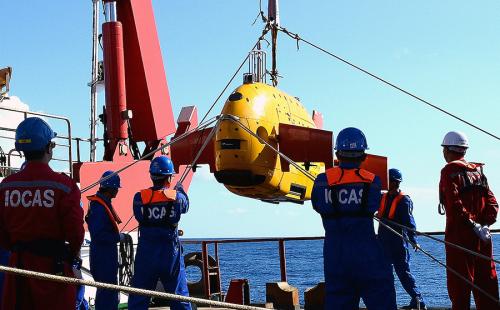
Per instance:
{"type": "Point", "coordinates": [10, 120]}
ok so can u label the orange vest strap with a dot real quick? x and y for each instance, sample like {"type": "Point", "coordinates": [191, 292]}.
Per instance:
{"type": "Point", "coordinates": [113, 216]}
{"type": "Point", "coordinates": [149, 196]}
{"type": "Point", "coordinates": [337, 176]}
{"type": "Point", "coordinates": [394, 205]}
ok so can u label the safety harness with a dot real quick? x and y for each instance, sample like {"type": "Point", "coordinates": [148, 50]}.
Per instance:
{"type": "Point", "coordinates": [468, 180]}
{"type": "Point", "coordinates": [338, 176]}
{"type": "Point", "coordinates": [150, 197]}
{"type": "Point", "coordinates": [382, 211]}
{"type": "Point", "coordinates": [113, 216]}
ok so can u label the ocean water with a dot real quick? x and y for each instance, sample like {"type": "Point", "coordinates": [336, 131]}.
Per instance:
{"type": "Point", "coordinates": [259, 263]}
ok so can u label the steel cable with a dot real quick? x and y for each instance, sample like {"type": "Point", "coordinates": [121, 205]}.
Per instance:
{"type": "Point", "coordinates": [456, 273]}
{"type": "Point", "coordinates": [175, 140]}
{"type": "Point", "coordinates": [439, 240]}
{"type": "Point", "coordinates": [298, 38]}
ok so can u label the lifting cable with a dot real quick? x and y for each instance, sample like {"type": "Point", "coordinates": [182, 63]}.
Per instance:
{"type": "Point", "coordinates": [456, 273]}
{"type": "Point", "coordinates": [174, 140]}
{"type": "Point", "coordinates": [131, 290]}
{"type": "Point", "coordinates": [439, 240]}
{"type": "Point", "coordinates": [310, 176]}
{"type": "Point", "coordinates": [296, 37]}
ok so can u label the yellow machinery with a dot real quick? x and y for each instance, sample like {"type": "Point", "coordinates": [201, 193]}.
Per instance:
{"type": "Point", "coordinates": [248, 167]}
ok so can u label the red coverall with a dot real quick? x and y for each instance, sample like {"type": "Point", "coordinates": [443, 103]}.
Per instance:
{"type": "Point", "coordinates": [465, 194]}
{"type": "Point", "coordinates": [38, 207]}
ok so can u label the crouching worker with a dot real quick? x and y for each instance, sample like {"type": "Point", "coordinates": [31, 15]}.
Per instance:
{"type": "Point", "coordinates": [346, 197]}
{"type": "Point", "coordinates": [41, 223]}
{"type": "Point", "coordinates": [104, 234]}
{"type": "Point", "coordinates": [159, 256]}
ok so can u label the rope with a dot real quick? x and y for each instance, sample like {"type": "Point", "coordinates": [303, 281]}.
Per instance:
{"type": "Point", "coordinates": [126, 261]}
{"type": "Point", "coordinates": [126, 289]}
{"type": "Point", "coordinates": [298, 38]}
{"type": "Point", "coordinates": [175, 140]}
{"type": "Point", "coordinates": [442, 241]}
{"type": "Point", "coordinates": [456, 273]}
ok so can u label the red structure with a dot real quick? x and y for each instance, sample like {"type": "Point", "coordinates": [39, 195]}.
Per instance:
{"type": "Point", "coordinates": [138, 107]}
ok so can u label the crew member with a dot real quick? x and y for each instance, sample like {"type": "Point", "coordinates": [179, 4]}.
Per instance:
{"type": "Point", "coordinates": [158, 210]}
{"type": "Point", "coordinates": [41, 223]}
{"type": "Point", "coordinates": [398, 207]}
{"type": "Point", "coordinates": [103, 222]}
{"type": "Point", "coordinates": [347, 197]}
{"type": "Point", "coordinates": [470, 209]}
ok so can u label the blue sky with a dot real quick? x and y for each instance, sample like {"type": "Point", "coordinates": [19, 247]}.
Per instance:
{"type": "Point", "coordinates": [444, 51]}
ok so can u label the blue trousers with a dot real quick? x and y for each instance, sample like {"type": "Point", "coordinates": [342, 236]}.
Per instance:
{"type": "Point", "coordinates": [354, 270]}
{"type": "Point", "coordinates": [104, 268]}
{"type": "Point", "coordinates": [159, 260]}
{"type": "Point", "coordinates": [399, 256]}
{"type": "Point", "coordinates": [4, 260]}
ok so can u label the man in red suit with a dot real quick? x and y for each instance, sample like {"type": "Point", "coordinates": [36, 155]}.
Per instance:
{"type": "Point", "coordinates": [41, 223]}
{"type": "Point", "coordinates": [470, 209]}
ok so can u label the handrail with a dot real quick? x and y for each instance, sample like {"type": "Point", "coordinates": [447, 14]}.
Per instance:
{"type": "Point", "coordinates": [65, 119]}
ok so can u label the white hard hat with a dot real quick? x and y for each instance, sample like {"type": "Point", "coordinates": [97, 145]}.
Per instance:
{"type": "Point", "coordinates": [455, 138]}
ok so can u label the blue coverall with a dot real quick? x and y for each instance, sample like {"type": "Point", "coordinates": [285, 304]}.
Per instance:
{"type": "Point", "coordinates": [103, 253]}
{"type": "Point", "coordinates": [354, 262]}
{"type": "Point", "coordinates": [4, 261]}
{"type": "Point", "coordinates": [159, 252]}
{"type": "Point", "coordinates": [397, 249]}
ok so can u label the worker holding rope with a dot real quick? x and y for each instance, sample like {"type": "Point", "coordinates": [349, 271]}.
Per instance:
{"type": "Point", "coordinates": [159, 253]}
{"type": "Point", "coordinates": [103, 221]}
{"type": "Point", "coordinates": [346, 197]}
{"type": "Point", "coordinates": [41, 223]}
{"type": "Point", "coordinates": [470, 208]}
{"type": "Point", "coordinates": [398, 207]}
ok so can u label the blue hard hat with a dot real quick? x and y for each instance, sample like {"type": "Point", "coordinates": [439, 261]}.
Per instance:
{"type": "Point", "coordinates": [112, 182]}
{"type": "Point", "coordinates": [33, 134]}
{"type": "Point", "coordinates": [161, 165]}
{"type": "Point", "coordinates": [395, 175]}
{"type": "Point", "coordinates": [351, 139]}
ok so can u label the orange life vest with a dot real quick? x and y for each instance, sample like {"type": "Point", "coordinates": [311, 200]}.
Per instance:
{"type": "Point", "coordinates": [392, 209]}
{"type": "Point", "coordinates": [113, 216]}
{"type": "Point", "coordinates": [149, 196]}
{"type": "Point", "coordinates": [338, 176]}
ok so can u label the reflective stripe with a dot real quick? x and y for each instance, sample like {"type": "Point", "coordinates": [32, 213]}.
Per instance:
{"type": "Point", "coordinates": [337, 176]}
{"type": "Point", "coordinates": [51, 184]}
{"type": "Point", "coordinates": [149, 196]}
{"type": "Point", "coordinates": [394, 205]}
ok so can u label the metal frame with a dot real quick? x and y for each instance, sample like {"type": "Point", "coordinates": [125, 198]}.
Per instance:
{"type": "Point", "coordinates": [50, 116]}
{"type": "Point", "coordinates": [205, 253]}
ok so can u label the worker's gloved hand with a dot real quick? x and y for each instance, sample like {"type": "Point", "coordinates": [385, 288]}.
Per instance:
{"type": "Point", "coordinates": [122, 237]}
{"type": "Point", "coordinates": [416, 247]}
{"type": "Point", "coordinates": [485, 233]}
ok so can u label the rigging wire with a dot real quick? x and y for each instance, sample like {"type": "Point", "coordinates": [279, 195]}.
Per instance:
{"type": "Point", "coordinates": [175, 140]}
{"type": "Point", "coordinates": [456, 273]}
{"type": "Point", "coordinates": [264, 32]}
{"type": "Point", "coordinates": [298, 38]}
{"type": "Point", "coordinates": [439, 240]}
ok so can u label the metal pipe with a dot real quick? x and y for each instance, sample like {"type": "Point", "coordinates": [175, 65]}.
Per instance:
{"type": "Point", "coordinates": [93, 86]}
{"type": "Point", "coordinates": [110, 11]}
{"type": "Point", "coordinates": [216, 249]}
{"type": "Point", "coordinates": [206, 274]}
{"type": "Point", "coordinates": [282, 260]}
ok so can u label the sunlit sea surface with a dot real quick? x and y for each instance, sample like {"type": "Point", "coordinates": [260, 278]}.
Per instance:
{"type": "Point", "coordinates": [259, 263]}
